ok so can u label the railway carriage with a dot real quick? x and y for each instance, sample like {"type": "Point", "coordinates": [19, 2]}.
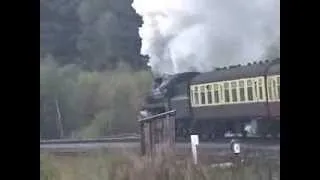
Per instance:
{"type": "Point", "coordinates": [238, 99]}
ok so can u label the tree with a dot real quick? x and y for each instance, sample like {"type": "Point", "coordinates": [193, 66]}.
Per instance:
{"type": "Point", "coordinates": [94, 34]}
{"type": "Point", "coordinates": [109, 34]}
{"type": "Point", "coordinates": [59, 28]}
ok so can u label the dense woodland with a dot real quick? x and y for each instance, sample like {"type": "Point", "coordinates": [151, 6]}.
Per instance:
{"type": "Point", "coordinates": [92, 76]}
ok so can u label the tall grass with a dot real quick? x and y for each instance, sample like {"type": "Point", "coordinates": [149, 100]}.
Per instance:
{"type": "Point", "coordinates": [132, 167]}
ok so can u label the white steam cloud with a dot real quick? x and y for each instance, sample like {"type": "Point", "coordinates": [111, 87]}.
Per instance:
{"type": "Point", "coordinates": [184, 35]}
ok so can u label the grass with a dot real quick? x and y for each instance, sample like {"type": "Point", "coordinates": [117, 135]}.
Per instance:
{"type": "Point", "coordinates": [132, 167]}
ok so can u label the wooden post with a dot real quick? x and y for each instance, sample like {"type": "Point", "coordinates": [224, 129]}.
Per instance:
{"type": "Point", "coordinates": [172, 130]}
{"type": "Point", "coordinates": [153, 136]}
{"type": "Point", "coordinates": [158, 134]}
{"type": "Point", "coordinates": [145, 138]}
{"type": "Point", "coordinates": [157, 131]}
{"type": "Point", "coordinates": [149, 140]}
{"type": "Point", "coordinates": [142, 139]}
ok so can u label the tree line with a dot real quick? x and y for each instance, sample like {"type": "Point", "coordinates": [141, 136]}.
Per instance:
{"type": "Point", "coordinates": [92, 76]}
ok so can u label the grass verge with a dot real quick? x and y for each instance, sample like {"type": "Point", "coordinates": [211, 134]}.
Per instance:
{"type": "Point", "coordinates": [132, 167]}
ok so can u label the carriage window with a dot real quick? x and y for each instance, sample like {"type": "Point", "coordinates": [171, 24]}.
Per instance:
{"type": "Point", "coordinates": [234, 91]}
{"type": "Point", "coordinates": [226, 92]}
{"type": "Point", "coordinates": [196, 95]}
{"type": "Point", "coordinates": [209, 95]}
{"type": "Point", "coordinates": [216, 93]}
{"type": "Point", "coordinates": [250, 90]}
{"type": "Point", "coordinates": [274, 87]}
{"type": "Point", "coordinates": [203, 95]}
{"type": "Point", "coordinates": [220, 92]}
{"type": "Point", "coordinates": [278, 86]}
{"type": "Point", "coordinates": [192, 95]}
{"type": "Point", "coordinates": [270, 95]}
{"type": "Point", "coordinates": [260, 89]}
{"type": "Point", "coordinates": [241, 89]}
{"type": "Point", "coordinates": [256, 90]}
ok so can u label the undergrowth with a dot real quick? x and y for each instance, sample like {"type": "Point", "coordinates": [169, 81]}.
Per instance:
{"type": "Point", "coordinates": [132, 167]}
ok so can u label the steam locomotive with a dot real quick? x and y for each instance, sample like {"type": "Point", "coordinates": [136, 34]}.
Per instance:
{"type": "Point", "coordinates": [239, 100]}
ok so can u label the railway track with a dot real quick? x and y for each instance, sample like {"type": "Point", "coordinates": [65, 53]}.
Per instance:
{"type": "Point", "coordinates": [132, 144]}
{"type": "Point", "coordinates": [252, 140]}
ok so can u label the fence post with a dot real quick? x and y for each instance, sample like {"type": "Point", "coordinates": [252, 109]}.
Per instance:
{"type": "Point", "coordinates": [194, 144]}
{"type": "Point", "coordinates": [156, 131]}
{"type": "Point", "coordinates": [142, 139]}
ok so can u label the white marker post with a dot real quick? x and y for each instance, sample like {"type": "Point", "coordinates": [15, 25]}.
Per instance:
{"type": "Point", "coordinates": [235, 147]}
{"type": "Point", "coordinates": [194, 144]}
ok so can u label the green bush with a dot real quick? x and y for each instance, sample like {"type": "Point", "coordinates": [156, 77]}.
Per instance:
{"type": "Point", "coordinates": [91, 104]}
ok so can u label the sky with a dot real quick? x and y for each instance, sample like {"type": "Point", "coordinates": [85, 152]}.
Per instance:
{"type": "Point", "coordinates": [184, 35]}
